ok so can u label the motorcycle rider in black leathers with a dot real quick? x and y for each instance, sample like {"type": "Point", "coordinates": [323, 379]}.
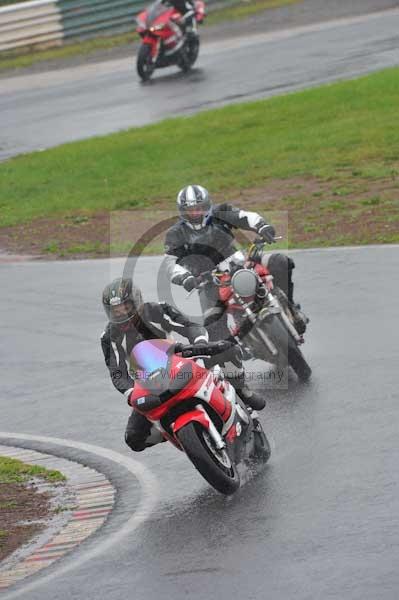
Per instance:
{"type": "Point", "coordinates": [203, 237]}
{"type": "Point", "coordinates": [132, 321]}
{"type": "Point", "coordinates": [187, 10]}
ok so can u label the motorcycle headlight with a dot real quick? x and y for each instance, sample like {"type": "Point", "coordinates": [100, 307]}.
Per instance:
{"type": "Point", "coordinates": [244, 282]}
{"type": "Point", "coordinates": [157, 27]}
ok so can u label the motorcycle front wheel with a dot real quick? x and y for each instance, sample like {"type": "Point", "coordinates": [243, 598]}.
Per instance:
{"type": "Point", "coordinates": [214, 465]}
{"type": "Point", "coordinates": [145, 65]}
{"type": "Point", "coordinates": [288, 348]}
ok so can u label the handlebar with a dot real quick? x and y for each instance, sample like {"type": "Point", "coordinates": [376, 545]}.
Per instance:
{"type": "Point", "coordinates": [207, 277]}
{"type": "Point", "coordinates": [204, 279]}
{"type": "Point", "coordinates": [206, 349]}
{"type": "Point", "coordinates": [260, 241]}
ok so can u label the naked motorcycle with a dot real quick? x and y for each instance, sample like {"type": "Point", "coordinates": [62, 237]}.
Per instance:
{"type": "Point", "coordinates": [165, 40]}
{"type": "Point", "coordinates": [258, 312]}
{"type": "Point", "coordinates": [196, 409]}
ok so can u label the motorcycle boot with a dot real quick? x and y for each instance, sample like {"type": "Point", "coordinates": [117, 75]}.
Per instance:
{"type": "Point", "coordinates": [300, 319]}
{"type": "Point", "coordinates": [250, 398]}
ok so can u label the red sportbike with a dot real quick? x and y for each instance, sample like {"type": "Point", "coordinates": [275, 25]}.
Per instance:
{"type": "Point", "coordinates": [196, 409]}
{"type": "Point", "coordinates": [165, 40]}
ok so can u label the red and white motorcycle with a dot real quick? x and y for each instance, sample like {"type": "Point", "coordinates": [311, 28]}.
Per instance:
{"type": "Point", "coordinates": [196, 409]}
{"type": "Point", "coordinates": [165, 41]}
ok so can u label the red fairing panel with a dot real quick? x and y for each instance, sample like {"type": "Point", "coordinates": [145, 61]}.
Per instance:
{"type": "Point", "coordinates": [225, 291]}
{"type": "Point", "coordinates": [261, 271]}
{"type": "Point", "coordinates": [189, 391]}
{"type": "Point", "coordinates": [232, 433]}
{"type": "Point", "coordinates": [138, 392]}
{"type": "Point", "coordinates": [220, 405]}
{"type": "Point", "coordinates": [199, 373]}
{"type": "Point", "coordinates": [194, 415]}
{"type": "Point", "coordinates": [200, 377]}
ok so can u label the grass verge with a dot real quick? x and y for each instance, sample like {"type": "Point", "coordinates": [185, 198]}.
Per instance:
{"type": "Point", "coordinates": [23, 508]}
{"type": "Point", "coordinates": [16, 59]}
{"type": "Point", "coordinates": [15, 471]}
{"type": "Point", "coordinates": [328, 156]}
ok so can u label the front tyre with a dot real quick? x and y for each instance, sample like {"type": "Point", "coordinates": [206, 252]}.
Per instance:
{"type": "Point", "coordinates": [145, 65]}
{"type": "Point", "coordinates": [288, 348]}
{"type": "Point", "coordinates": [297, 362]}
{"type": "Point", "coordinates": [213, 464]}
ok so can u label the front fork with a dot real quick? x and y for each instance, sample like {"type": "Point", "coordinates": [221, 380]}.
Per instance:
{"type": "Point", "coordinates": [273, 307]}
{"type": "Point", "coordinates": [201, 416]}
{"type": "Point", "coordinates": [155, 44]}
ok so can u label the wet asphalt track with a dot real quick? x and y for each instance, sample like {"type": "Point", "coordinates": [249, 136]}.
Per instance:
{"type": "Point", "coordinates": [322, 519]}
{"type": "Point", "coordinates": [39, 111]}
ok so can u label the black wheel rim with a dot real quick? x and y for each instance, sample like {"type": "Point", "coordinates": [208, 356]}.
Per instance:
{"type": "Point", "coordinates": [220, 457]}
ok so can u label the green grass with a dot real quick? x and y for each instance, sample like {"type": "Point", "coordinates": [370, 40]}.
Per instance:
{"type": "Point", "coordinates": [341, 128]}
{"type": "Point", "coordinates": [16, 59]}
{"type": "Point", "coordinates": [15, 471]}
{"type": "Point", "coordinates": [8, 2]}
{"type": "Point", "coordinates": [8, 505]}
{"type": "Point", "coordinates": [245, 8]}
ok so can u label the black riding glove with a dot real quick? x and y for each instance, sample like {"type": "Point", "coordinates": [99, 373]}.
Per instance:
{"type": "Point", "coordinates": [267, 232]}
{"type": "Point", "coordinates": [189, 282]}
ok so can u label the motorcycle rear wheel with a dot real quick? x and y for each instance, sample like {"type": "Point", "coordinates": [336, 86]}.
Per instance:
{"type": "Point", "coordinates": [189, 54]}
{"type": "Point", "coordinates": [214, 465]}
{"type": "Point", "coordinates": [145, 66]}
{"type": "Point", "coordinates": [262, 446]}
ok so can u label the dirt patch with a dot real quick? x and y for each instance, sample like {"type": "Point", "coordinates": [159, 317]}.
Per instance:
{"type": "Point", "coordinates": [23, 512]}
{"type": "Point", "coordinates": [307, 211]}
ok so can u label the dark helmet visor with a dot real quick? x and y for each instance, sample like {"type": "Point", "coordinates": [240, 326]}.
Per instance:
{"type": "Point", "coordinates": [120, 313]}
{"type": "Point", "coordinates": [194, 214]}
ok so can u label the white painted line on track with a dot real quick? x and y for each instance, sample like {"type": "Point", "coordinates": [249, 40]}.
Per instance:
{"type": "Point", "coordinates": [147, 503]}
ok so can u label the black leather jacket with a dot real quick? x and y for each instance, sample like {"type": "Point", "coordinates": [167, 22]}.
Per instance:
{"type": "Point", "coordinates": [155, 321]}
{"type": "Point", "coordinates": [200, 250]}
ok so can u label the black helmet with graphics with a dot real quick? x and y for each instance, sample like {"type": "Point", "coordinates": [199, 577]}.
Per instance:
{"type": "Point", "coordinates": [194, 205]}
{"type": "Point", "coordinates": [121, 300]}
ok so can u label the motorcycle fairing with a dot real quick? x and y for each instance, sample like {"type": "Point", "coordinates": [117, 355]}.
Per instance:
{"type": "Point", "coordinates": [196, 415]}
{"type": "Point", "coordinates": [173, 379]}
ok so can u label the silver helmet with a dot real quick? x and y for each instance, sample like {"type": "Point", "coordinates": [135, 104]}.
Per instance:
{"type": "Point", "coordinates": [194, 205]}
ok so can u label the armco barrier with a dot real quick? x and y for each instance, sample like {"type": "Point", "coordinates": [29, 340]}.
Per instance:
{"type": "Point", "coordinates": [50, 22]}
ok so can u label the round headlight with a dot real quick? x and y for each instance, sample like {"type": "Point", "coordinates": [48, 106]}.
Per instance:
{"type": "Point", "coordinates": [244, 282]}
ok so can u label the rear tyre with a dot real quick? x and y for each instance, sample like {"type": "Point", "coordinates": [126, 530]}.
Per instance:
{"type": "Point", "coordinates": [288, 349]}
{"type": "Point", "coordinates": [189, 53]}
{"type": "Point", "coordinates": [213, 464]}
{"type": "Point", "coordinates": [145, 65]}
{"type": "Point", "coordinates": [262, 446]}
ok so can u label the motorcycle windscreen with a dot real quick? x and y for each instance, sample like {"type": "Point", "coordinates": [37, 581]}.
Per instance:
{"type": "Point", "coordinates": [149, 356]}
{"type": "Point", "coordinates": [154, 11]}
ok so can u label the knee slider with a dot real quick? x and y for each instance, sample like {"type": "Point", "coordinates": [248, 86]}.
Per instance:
{"type": "Point", "coordinates": [135, 441]}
